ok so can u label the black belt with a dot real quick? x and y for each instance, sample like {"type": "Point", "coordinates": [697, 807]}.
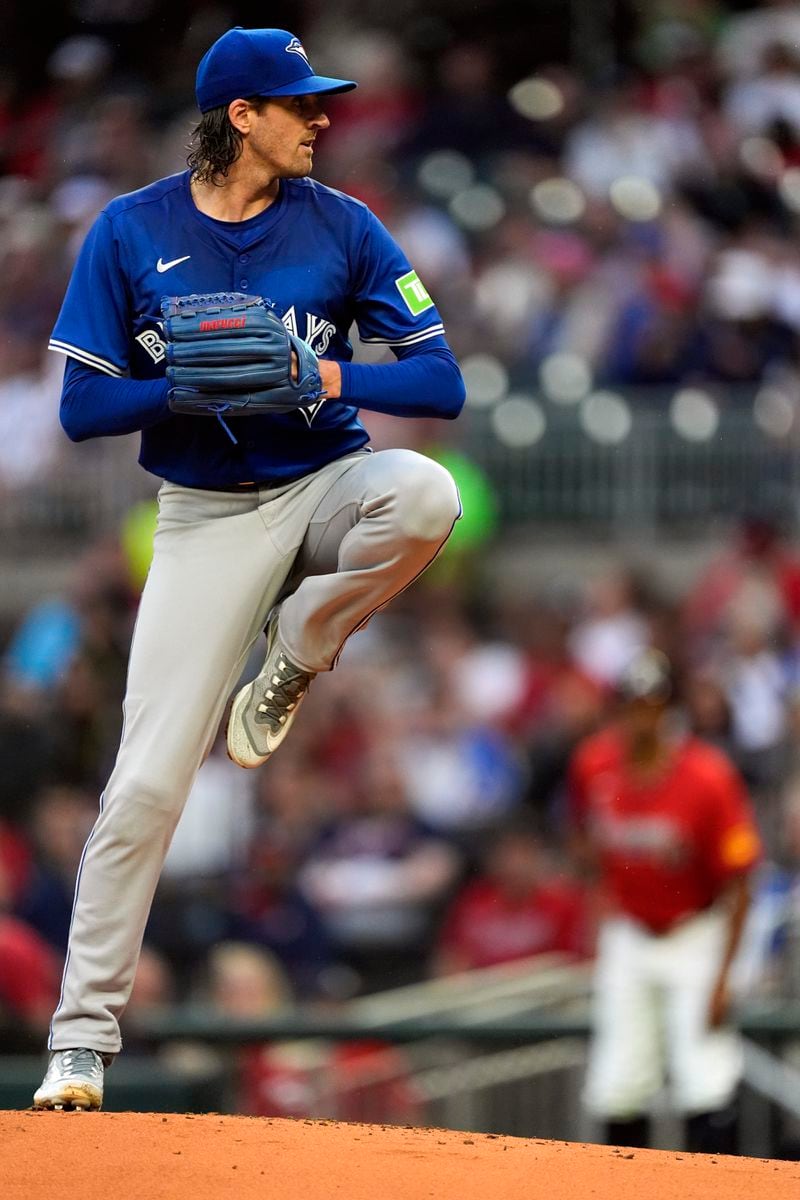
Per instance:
{"type": "Point", "coordinates": [250, 486]}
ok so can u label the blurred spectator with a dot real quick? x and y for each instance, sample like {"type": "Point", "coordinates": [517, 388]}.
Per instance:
{"type": "Point", "coordinates": [756, 686]}
{"type": "Point", "coordinates": [153, 993]}
{"type": "Point", "coordinates": [29, 432]}
{"type": "Point", "coordinates": [486, 673]}
{"type": "Point", "coordinates": [611, 631]}
{"type": "Point", "coordinates": [785, 964]}
{"type": "Point", "coordinates": [75, 203]}
{"type": "Point", "coordinates": [355, 1081]}
{"type": "Point", "coordinates": [622, 139]}
{"type": "Point", "coordinates": [465, 110]}
{"type": "Point", "coordinates": [559, 700]}
{"type": "Point", "coordinates": [707, 709]}
{"type": "Point", "coordinates": [246, 982]}
{"type": "Point", "coordinates": [462, 776]}
{"type": "Point", "coordinates": [758, 103]}
{"type": "Point", "coordinates": [121, 152]}
{"type": "Point", "coordinates": [384, 109]}
{"type": "Point", "coordinates": [94, 613]}
{"type": "Point", "coordinates": [295, 798]}
{"type": "Point", "coordinates": [41, 646]}
{"type": "Point", "coordinates": [377, 877]}
{"type": "Point", "coordinates": [153, 990]}
{"type": "Point", "coordinates": [15, 863]}
{"type": "Point", "coordinates": [747, 34]}
{"type": "Point", "coordinates": [518, 906]}
{"type": "Point", "coordinates": [52, 132]}
{"type": "Point", "coordinates": [675, 32]}
{"type": "Point", "coordinates": [268, 909]}
{"type": "Point", "coordinates": [89, 695]}
{"type": "Point", "coordinates": [769, 964]}
{"type": "Point", "coordinates": [28, 975]}
{"type": "Point", "coordinates": [558, 704]}
{"type": "Point", "coordinates": [61, 820]}
{"type": "Point", "coordinates": [758, 563]}
{"type": "Point", "coordinates": [23, 753]}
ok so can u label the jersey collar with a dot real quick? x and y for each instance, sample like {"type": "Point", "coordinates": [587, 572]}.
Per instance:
{"type": "Point", "coordinates": [238, 235]}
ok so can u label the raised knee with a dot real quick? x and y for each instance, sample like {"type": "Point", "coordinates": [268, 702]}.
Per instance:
{"type": "Point", "coordinates": [429, 501]}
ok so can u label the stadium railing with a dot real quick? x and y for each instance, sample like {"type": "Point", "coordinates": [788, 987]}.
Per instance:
{"type": "Point", "coordinates": [631, 459]}
{"type": "Point", "coordinates": [496, 1051]}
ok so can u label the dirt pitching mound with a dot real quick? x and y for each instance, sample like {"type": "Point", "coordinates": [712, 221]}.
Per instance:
{"type": "Point", "coordinates": [118, 1156]}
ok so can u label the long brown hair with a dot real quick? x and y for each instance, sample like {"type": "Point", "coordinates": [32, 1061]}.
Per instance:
{"type": "Point", "coordinates": [216, 144]}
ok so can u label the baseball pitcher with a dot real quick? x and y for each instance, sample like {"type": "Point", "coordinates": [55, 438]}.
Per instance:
{"type": "Point", "coordinates": [210, 311]}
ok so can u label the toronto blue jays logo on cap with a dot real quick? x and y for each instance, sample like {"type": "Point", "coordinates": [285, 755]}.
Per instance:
{"type": "Point", "coordinates": [259, 62]}
{"type": "Point", "coordinates": [295, 47]}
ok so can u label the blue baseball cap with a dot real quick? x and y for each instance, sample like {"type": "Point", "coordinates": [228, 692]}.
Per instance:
{"type": "Point", "coordinates": [258, 62]}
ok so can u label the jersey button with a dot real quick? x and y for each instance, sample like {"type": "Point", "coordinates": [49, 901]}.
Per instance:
{"type": "Point", "coordinates": [244, 284]}
{"type": "Point", "coordinates": [244, 258]}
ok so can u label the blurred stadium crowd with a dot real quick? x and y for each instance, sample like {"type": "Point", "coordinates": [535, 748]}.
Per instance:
{"type": "Point", "coordinates": [638, 228]}
{"type": "Point", "coordinates": [633, 227]}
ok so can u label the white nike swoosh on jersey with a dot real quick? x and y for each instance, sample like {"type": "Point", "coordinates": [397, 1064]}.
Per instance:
{"type": "Point", "coordinates": [161, 267]}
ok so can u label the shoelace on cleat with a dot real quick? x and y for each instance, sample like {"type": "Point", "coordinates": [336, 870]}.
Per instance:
{"type": "Point", "coordinates": [281, 695]}
{"type": "Point", "coordinates": [78, 1063]}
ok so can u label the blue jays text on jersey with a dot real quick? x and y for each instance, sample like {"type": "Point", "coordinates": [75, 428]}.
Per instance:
{"type": "Point", "coordinates": [320, 256]}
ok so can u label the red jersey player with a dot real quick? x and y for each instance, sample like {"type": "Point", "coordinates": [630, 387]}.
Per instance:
{"type": "Point", "coordinates": [517, 907]}
{"type": "Point", "coordinates": [665, 822]}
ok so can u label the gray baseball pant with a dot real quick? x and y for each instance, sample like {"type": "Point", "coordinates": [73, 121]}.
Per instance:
{"type": "Point", "coordinates": [343, 541]}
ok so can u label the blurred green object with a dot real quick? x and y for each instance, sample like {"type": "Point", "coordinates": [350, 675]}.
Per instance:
{"type": "Point", "coordinates": [478, 521]}
{"type": "Point", "coordinates": [136, 536]}
{"type": "Point", "coordinates": [478, 500]}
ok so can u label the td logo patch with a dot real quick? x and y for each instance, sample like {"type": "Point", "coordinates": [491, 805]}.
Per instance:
{"type": "Point", "coordinates": [413, 291]}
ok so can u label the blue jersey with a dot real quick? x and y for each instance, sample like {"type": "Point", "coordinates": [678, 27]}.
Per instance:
{"type": "Point", "coordinates": [320, 256]}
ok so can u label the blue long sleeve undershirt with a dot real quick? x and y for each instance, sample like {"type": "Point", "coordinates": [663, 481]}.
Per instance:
{"type": "Point", "coordinates": [422, 383]}
{"type": "Point", "coordinates": [94, 404]}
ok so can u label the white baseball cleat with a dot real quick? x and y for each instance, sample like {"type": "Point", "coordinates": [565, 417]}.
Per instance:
{"type": "Point", "coordinates": [74, 1080]}
{"type": "Point", "coordinates": [263, 711]}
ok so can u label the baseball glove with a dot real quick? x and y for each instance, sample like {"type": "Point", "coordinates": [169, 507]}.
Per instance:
{"type": "Point", "coordinates": [231, 354]}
